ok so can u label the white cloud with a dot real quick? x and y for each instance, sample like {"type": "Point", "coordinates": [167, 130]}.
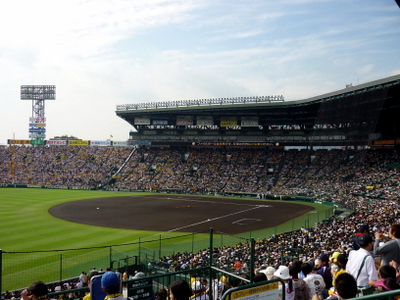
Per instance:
{"type": "Point", "coordinates": [100, 53]}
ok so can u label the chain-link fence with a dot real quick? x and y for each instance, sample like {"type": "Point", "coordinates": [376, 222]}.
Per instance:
{"type": "Point", "coordinates": [150, 255]}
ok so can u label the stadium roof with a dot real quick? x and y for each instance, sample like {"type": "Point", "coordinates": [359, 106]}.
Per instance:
{"type": "Point", "coordinates": [361, 112]}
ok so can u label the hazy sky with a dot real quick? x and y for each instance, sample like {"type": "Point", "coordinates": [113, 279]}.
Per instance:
{"type": "Point", "coordinates": [101, 53]}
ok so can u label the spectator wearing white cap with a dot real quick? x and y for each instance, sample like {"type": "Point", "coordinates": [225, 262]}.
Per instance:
{"type": "Point", "coordinates": [283, 273]}
{"type": "Point", "coordinates": [269, 272]}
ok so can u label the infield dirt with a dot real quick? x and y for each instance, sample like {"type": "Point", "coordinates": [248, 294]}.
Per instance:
{"type": "Point", "coordinates": [161, 212]}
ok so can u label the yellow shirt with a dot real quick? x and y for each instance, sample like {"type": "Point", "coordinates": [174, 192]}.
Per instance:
{"type": "Point", "coordinates": [87, 297]}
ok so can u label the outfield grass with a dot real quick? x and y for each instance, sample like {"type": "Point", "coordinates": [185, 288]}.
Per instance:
{"type": "Point", "coordinates": [27, 226]}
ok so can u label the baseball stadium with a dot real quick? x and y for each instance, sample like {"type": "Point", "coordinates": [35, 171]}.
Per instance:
{"type": "Point", "coordinates": [205, 187]}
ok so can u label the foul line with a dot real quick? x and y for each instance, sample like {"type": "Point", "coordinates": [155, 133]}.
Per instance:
{"type": "Point", "coordinates": [216, 218]}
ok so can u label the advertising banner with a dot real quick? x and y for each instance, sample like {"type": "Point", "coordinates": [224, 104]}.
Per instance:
{"type": "Point", "coordinates": [37, 130]}
{"type": "Point", "coordinates": [160, 122]}
{"type": "Point", "coordinates": [228, 122]}
{"type": "Point", "coordinates": [19, 142]}
{"type": "Point", "coordinates": [78, 143]}
{"type": "Point", "coordinates": [100, 143]}
{"type": "Point", "coordinates": [184, 120]}
{"type": "Point", "coordinates": [205, 121]}
{"type": "Point", "coordinates": [56, 142]}
{"type": "Point", "coordinates": [37, 136]}
{"type": "Point", "coordinates": [263, 292]}
{"type": "Point", "coordinates": [120, 144]}
{"type": "Point", "coordinates": [142, 121]}
{"type": "Point", "coordinates": [138, 143]}
{"type": "Point", "coordinates": [249, 122]}
{"type": "Point", "coordinates": [37, 119]}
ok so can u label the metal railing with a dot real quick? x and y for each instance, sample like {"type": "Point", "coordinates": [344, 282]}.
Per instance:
{"type": "Point", "coordinates": [201, 102]}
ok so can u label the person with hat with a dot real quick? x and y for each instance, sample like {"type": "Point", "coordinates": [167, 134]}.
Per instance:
{"type": "Point", "coordinates": [283, 273]}
{"type": "Point", "coordinates": [323, 269]}
{"type": "Point", "coordinates": [111, 284]}
{"type": "Point", "coordinates": [269, 272]}
{"type": "Point", "coordinates": [339, 267]}
{"type": "Point", "coordinates": [363, 229]}
{"type": "Point", "coordinates": [361, 264]}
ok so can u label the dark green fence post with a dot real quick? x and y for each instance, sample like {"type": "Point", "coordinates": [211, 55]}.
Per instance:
{"type": "Point", "coordinates": [210, 275]}
{"type": "Point", "coordinates": [192, 242]}
{"type": "Point", "coordinates": [111, 262]}
{"type": "Point", "coordinates": [139, 251]}
{"type": "Point", "coordinates": [61, 268]}
{"type": "Point", "coordinates": [159, 248]}
{"type": "Point", "coordinates": [252, 258]}
{"type": "Point", "coordinates": [1, 270]}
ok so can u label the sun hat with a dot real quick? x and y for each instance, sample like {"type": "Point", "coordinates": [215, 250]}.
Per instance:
{"type": "Point", "coordinates": [282, 273]}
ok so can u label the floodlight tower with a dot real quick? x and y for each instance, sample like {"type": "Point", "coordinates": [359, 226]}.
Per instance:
{"type": "Point", "coordinates": [37, 122]}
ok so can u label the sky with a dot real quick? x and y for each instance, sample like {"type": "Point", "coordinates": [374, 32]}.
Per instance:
{"type": "Point", "coordinates": [102, 53]}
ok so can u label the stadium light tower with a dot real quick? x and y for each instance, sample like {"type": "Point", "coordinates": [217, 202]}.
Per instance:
{"type": "Point", "coordinates": [37, 122]}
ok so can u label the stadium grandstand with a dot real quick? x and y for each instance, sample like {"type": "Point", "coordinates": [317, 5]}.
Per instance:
{"type": "Point", "coordinates": [354, 116]}
{"type": "Point", "coordinates": [340, 148]}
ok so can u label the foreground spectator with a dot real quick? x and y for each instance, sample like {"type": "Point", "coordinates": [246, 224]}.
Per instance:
{"type": "Point", "coordinates": [346, 287]}
{"type": "Point", "coordinates": [361, 264]}
{"type": "Point", "coordinates": [389, 250]}
{"type": "Point", "coordinates": [179, 290]}
{"type": "Point", "coordinates": [323, 269]}
{"type": "Point", "coordinates": [315, 282]}
{"type": "Point", "coordinates": [37, 290]}
{"type": "Point", "coordinates": [287, 288]}
{"type": "Point", "coordinates": [301, 291]}
{"type": "Point", "coordinates": [111, 284]}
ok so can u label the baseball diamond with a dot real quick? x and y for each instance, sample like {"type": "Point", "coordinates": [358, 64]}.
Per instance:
{"type": "Point", "coordinates": [179, 213]}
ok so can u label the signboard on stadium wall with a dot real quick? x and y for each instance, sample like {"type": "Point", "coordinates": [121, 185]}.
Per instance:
{"type": "Point", "coordinates": [142, 121]}
{"type": "Point", "coordinates": [100, 143]}
{"type": "Point", "coordinates": [56, 142]}
{"type": "Point", "coordinates": [249, 122]}
{"type": "Point", "coordinates": [141, 289]}
{"type": "Point", "coordinates": [120, 144]}
{"type": "Point", "coordinates": [262, 292]}
{"type": "Point", "coordinates": [160, 122]}
{"type": "Point", "coordinates": [184, 120]}
{"type": "Point", "coordinates": [205, 121]}
{"type": "Point", "coordinates": [78, 143]}
{"type": "Point", "coordinates": [139, 143]}
{"type": "Point", "coordinates": [37, 119]}
{"type": "Point", "coordinates": [37, 142]}
{"type": "Point", "coordinates": [18, 142]}
{"type": "Point", "coordinates": [228, 122]}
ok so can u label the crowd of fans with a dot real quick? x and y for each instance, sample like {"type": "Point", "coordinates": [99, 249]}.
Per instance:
{"type": "Point", "coordinates": [335, 175]}
{"type": "Point", "coordinates": [365, 180]}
